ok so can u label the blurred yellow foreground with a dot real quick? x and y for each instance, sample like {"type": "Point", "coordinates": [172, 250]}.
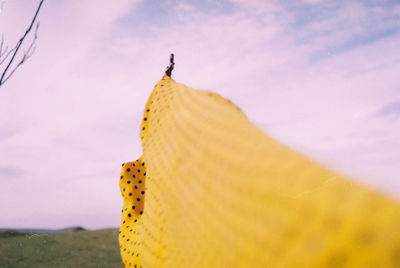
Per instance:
{"type": "Point", "coordinates": [212, 190]}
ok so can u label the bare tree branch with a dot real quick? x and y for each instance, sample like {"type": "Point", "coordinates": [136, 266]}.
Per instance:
{"type": "Point", "coordinates": [7, 73]}
{"type": "Point", "coordinates": [1, 45]}
{"type": "Point", "coordinates": [27, 54]}
{"type": "Point", "coordinates": [5, 52]}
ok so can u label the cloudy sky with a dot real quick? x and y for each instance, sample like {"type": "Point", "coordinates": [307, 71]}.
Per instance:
{"type": "Point", "coordinates": [320, 76]}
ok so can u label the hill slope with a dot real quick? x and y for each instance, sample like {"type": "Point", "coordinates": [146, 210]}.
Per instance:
{"type": "Point", "coordinates": [70, 249]}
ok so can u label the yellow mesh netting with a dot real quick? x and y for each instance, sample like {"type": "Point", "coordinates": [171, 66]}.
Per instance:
{"type": "Point", "coordinates": [221, 193]}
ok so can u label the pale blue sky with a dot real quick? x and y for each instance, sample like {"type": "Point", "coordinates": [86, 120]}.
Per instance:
{"type": "Point", "coordinates": [320, 76]}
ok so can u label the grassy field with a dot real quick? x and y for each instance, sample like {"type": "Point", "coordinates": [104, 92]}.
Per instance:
{"type": "Point", "coordinates": [71, 249]}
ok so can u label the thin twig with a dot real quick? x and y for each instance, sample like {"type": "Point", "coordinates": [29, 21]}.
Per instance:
{"type": "Point", "coordinates": [4, 76]}
{"type": "Point", "coordinates": [26, 55]}
{"type": "Point", "coordinates": [5, 52]}
{"type": "Point", "coordinates": [1, 45]}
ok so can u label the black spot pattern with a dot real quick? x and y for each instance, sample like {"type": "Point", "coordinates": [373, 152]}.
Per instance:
{"type": "Point", "coordinates": [131, 213]}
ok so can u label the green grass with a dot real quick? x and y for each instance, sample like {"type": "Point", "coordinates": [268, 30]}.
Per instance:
{"type": "Point", "coordinates": [71, 249]}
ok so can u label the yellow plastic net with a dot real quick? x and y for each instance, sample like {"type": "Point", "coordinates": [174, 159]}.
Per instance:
{"type": "Point", "coordinates": [221, 193]}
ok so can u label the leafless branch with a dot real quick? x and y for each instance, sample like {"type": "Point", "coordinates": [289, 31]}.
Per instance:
{"type": "Point", "coordinates": [27, 54]}
{"type": "Point", "coordinates": [4, 53]}
{"type": "Point", "coordinates": [7, 73]}
{"type": "Point", "coordinates": [1, 45]}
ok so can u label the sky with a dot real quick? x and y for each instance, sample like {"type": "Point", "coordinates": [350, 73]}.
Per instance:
{"type": "Point", "coordinates": [319, 76]}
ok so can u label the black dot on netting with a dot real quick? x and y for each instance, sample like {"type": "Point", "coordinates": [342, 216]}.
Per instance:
{"type": "Point", "coordinates": [122, 211]}
{"type": "Point", "coordinates": [127, 240]}
{"type": "Point", "coordinates": [148, 110]}
{"type": "Point", "coordinates": [129, 182]}
{"type": "Point", "coordinates": [143, 164]}
{"type": "Point", "coordinates": [138, 199]}
{"type": "Point", "coordinates": [135, 220]}
{"type": "Point", "coordinates": [132, 255]}
{"type": "Point", "coordinates": [143, 128]}
{"type": "Point", "coordinates": [130, 230]}
{"type": "Point", "coordinates": [134, 175]}
{"type": "Point", "coordinates": [144, 174]}
{"type": "Point", "coordinates": [123, 222]}
{"type": "Point", "coordinates": [133, 207]}
{"type": "Point", "coordinates": [130, 194]}
{"type": "Point", "coordinates": [137, 255]}
{"type": "Point", "coordinates": [138, 170]}
{"type": "Point", "coordinates": [124, 249]}
{"type": "Point", "coordinates": [128, 169]}
{"type": "Point", "coordinates": [145, 119]}
{"type": "Point", "coordinates": [122, 177]}
{"type": "Point", "coordinates": [135, 187]}
{"type": "Point", "coordinates": [142, 192]}
{"type": "Point", "coordinates": [141, 212]}
{"type": "Point", "coordinates": [140, 181]}
{"type": "Point", "coordinates": [123, 164]}
{"type": "Point", "coordinates": [123, 190]}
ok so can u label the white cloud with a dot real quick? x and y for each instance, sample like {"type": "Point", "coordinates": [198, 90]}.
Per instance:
{"type": "Point", "coordinates": [312, 1]}
{"type": "Point", "coordinates": [184, 7]}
